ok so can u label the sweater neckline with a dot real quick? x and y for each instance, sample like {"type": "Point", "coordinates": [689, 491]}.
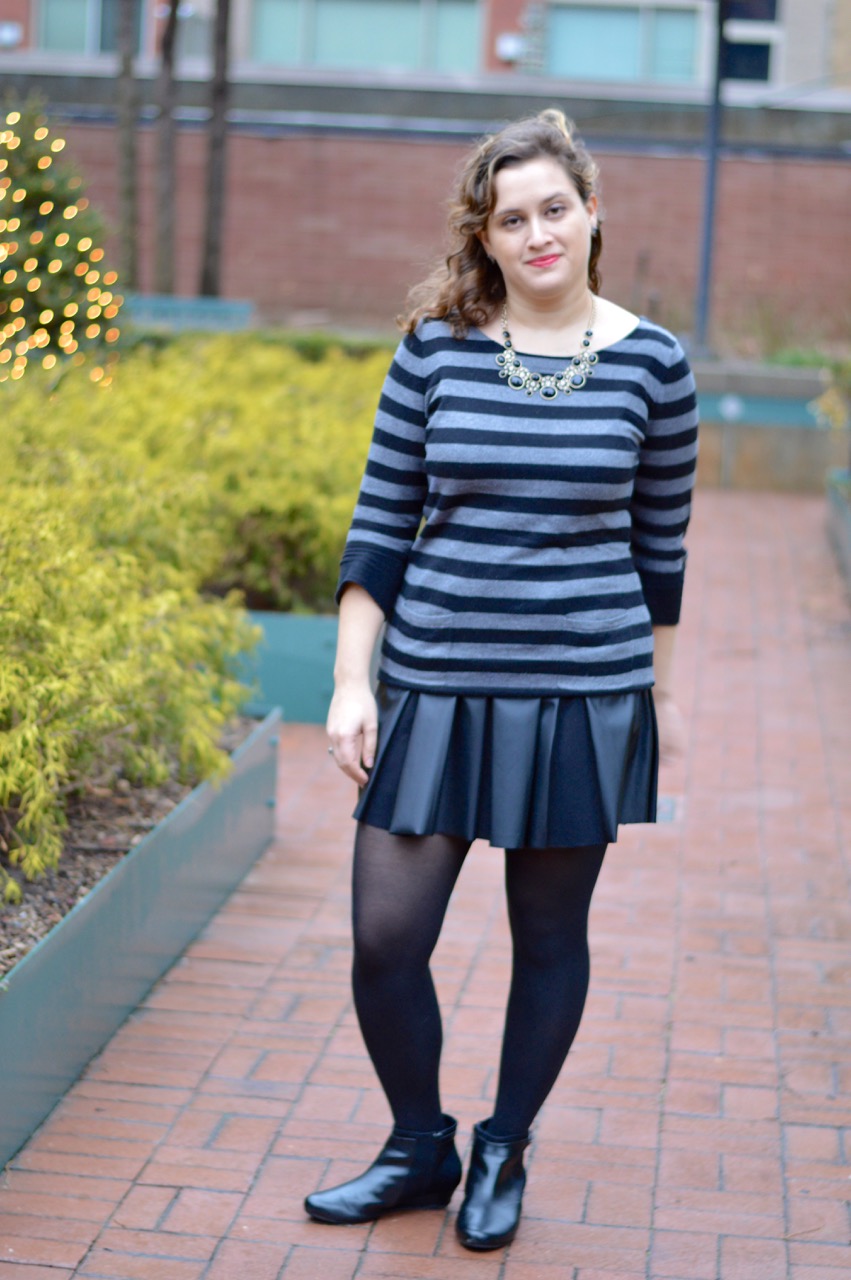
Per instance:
{"type": "Point", "coordinates": [534, 355]}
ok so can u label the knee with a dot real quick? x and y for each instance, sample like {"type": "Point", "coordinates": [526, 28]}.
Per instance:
{"type": "Point", "coordinates": [543, 947]}
{"type": "Point", "coordinates": [380, 952]}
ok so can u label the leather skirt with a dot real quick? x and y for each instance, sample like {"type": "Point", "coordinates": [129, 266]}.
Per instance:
{"type": "Point", "coordinates": [516, 771]}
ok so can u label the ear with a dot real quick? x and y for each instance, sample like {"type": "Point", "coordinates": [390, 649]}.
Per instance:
{"type": "Point", "coordinates": [592, 209]}
{"type": "Point", "coordinates": [482, 237]}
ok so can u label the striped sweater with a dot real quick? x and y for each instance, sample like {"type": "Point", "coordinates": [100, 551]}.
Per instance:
{"type": "Point", "coordinates": [523, 546]}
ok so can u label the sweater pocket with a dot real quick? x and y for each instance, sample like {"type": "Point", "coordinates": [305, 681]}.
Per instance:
{"type": "Point", "coordinates": [423, 623]}
{"type": "Point", "coordinates": [423, 610]}
{"type": "Point", "coordinates": [598, 621]}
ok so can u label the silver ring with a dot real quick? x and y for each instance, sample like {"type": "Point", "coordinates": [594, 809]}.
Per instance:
{"type": "Point", "coordinates": [330, 751]}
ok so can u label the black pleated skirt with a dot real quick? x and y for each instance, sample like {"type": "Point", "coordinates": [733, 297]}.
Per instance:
{"type": "Point", "coordinates": [518, 772]}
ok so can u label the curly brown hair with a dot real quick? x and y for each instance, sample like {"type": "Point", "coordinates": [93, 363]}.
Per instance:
{"type": "Point", "coordinates": [467, 286]}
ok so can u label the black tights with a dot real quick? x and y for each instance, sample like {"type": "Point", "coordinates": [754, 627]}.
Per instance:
{"type": "Point", "coordinates": [401, 888]}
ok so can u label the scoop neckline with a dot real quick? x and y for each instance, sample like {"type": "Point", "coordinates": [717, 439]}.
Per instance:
{"type": "Point", "coordinates": [534, 355]}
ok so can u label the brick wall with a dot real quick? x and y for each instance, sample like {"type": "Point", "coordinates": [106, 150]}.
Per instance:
{"type": "Point", "coordinates": [16, 11]}
{"type": "Point", "coordinates": [342, 225]}
{"type": "Point", "coordinates": [499, 16]}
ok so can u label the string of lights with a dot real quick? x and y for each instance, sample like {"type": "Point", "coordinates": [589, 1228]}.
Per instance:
{"type": "Point", "coordinates": [57, 300]}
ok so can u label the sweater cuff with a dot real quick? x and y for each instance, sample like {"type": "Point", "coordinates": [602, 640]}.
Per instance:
{"type": "Point", "coordinates": [380, 574]}
{"type": "Point", "coordinates": [663, 595]}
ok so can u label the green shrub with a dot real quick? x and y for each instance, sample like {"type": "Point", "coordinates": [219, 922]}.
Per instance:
{"type": "Point", "coordinates": [216, 467]}
{"type": "Point", "coordinates": [833, 406]}
{"type": "Point", "coordinates": [110, 667]}
{"type": "Point", "coordinates": [234, 458]}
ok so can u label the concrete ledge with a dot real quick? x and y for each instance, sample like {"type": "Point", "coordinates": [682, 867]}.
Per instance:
{"type": "Point", "coordinates": [647, 117]}
{"type": "Point", "coordinates": [839, 518]}
{"type": "Point", "coordinates": [739, 377]}
{"type": "Point", "coordinates": [736, 455]}
{"type": "Point", "coordinates": [293, 666]}
{"type": "Point", "coordinates": [64, 1000]}
{"type": "Point", "coordinates": [760, 427]}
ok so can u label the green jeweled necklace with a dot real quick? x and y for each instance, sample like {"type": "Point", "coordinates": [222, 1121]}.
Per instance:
{"type": "Point", "coordinates": [547, 385]}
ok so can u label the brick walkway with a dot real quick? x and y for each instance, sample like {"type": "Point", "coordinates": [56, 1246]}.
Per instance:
{"type": "Point", "coordinates": [697, 1132]}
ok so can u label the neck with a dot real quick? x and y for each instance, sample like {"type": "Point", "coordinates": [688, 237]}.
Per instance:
{"type": "Point", "coordinates": [550, 316]}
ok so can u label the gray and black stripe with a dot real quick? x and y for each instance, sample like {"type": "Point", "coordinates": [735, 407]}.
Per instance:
{"type": "Point", "coordinates": [522, 546]}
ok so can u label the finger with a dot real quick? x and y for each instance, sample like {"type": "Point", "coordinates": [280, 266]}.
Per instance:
{"type": "Point", "coordinates": [356, 773]}
{"type": "Point", "coordinates": [671, 750]}
{"type": "Point", "coordinates": [370, 742]}
{"type": "Point", "coordinates": [354, 770]}
{"type": "Point", "coordinates": [347, 753]}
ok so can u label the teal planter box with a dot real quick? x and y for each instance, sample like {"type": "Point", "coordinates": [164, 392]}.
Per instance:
{"type": "Point", "coordinates": [839, 518]}
{"type": "Point", "coordinates": [761, 429]}
{"type": "Point", "coordinates": [68, 996]}
{"type": "Point", "coordinates": [293, 666]}
{"type": "Point", "coordinates": [173, 314]}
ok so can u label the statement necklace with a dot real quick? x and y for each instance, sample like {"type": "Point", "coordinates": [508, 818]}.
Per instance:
{"type": "Point", "coordinates": [547, 385]}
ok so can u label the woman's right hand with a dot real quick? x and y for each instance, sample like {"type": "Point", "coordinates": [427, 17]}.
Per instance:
{"type": "Point", "coordinates": [352, 728]}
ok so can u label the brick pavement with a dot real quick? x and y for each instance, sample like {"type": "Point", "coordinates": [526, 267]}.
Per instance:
{"type": "Point", "coordinates": [701, 1129]}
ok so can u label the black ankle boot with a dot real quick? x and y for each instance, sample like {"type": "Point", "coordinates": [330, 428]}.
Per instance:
{"type": "Point", "coordinates": [490, 1214]}
{"type": "Point", "coordinates": [413, 1171]}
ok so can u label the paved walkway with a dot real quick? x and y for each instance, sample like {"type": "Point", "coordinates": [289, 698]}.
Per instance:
{"type": "Point", "coordinates": [697, 1132]}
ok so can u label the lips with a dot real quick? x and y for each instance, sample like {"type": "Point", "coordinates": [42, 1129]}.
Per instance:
{"type": "Point", "coordinates": [546, 261]}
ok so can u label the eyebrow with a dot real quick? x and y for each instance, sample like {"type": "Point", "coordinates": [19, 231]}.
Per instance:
{"type": "Point", "coordinates": [547, 200]}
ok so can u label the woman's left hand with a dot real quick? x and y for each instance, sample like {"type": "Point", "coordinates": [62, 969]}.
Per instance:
{"type": "Point", "coordinates": [672, 730]}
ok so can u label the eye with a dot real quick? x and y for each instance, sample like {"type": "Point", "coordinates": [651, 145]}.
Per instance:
{"type": "Point", "coordinates": [511, 221]}
{"type": "Point", "coordinates": [556, 209]}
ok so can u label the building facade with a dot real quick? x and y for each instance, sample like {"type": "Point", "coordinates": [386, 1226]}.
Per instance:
{"type": "Point", "coordinates": [792, 49]}
{"type": "Point", "coordinates": [375, 100]}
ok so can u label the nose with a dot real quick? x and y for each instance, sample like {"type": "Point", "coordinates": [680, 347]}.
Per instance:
{"type": "Point", "coordinates": [539, 232]}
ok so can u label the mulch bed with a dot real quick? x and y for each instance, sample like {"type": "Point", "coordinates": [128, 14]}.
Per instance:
{"type": "Point", "coordinates": [103, 825]}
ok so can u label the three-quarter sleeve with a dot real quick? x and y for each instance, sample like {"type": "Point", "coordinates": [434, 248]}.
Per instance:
{"type": "Point", "coordinates": [393, 490]}
{"type": "Point", "coordinates": [661, 502]}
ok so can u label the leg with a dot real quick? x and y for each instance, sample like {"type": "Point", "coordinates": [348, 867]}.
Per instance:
{"type": "Point", "coordinates": [401, 888]}
{"type": "Point", "coordinates": [549, 894]}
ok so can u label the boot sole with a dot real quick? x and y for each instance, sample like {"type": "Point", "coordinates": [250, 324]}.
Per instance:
{"type": "Point", "coordinates": [329, 1221]}
{"type": "Point", "coordinates": [480, 1246]}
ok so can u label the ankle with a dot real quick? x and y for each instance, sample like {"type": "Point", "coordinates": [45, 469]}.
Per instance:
{"type": "Point", "coordinates": [442, 1127]}
{"type": "Point", "coordinates": [490, 1213]}
{"type": "Point", "coordinates": [503, 1134]}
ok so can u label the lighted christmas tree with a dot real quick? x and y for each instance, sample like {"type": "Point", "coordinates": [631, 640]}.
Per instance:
{"type": "Point", "coordinates": [56, 300]}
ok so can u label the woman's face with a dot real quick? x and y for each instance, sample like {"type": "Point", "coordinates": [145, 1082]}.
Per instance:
{"type": "Point", "coordinates": [539, 233]}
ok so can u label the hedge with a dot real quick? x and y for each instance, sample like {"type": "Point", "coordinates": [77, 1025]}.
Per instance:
{"type": "Point", "coordinates": [138, 515]}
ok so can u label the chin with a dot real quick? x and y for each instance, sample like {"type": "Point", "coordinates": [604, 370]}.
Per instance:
{"type": "Point", "coordinates": [551, 289]}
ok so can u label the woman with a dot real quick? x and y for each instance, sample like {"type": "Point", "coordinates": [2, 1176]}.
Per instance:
{"type": "Point", "coordinates": [519, 527]}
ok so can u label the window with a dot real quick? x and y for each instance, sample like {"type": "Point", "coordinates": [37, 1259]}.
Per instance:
{"type": "Point", "coordinates": [276, 34]}
{"type": "Point", "coordinates": [109, 19]}
{"type": "Point", "coordinates": [746, 61]}
{"type": "Point", "coordinates": [595, 44]}
{"type": "Point", "coordinates": [371, 33]}
{"type": "Point", "coordinates": [65, 25]}
{"type": "Point", "coordinates": [195, 29]}
{"type": "Point", "coordinates": [393, 35]}
{"type": "Point", "coordinates": [672, 45]}
{"type": "Point", "coordinates": [456, 36]}
{"type": "Point", "coordinates": [91, 26]}
{"type": "Point", "coordinates": [750, 28]}
{"type": "Point", "coordinates": [753, 10]}
{"type": "Point", "coordinates": [604, 42]}
{"type": "Point", "coordinates": [83, 26]}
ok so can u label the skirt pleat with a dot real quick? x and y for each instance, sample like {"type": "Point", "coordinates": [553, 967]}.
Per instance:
{"type": "Point", "coordinates": [518, 772]}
